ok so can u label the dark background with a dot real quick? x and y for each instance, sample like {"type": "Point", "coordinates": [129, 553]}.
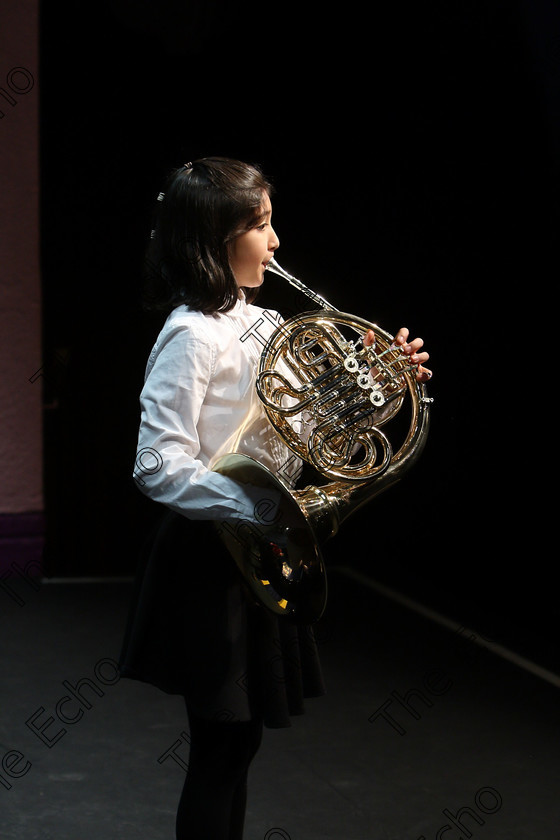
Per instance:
{"type": "Point", "coordinates": [414, 152]}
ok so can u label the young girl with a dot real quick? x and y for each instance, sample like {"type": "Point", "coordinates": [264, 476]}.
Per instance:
{"type": "Point", "coordinates": [193, 628]}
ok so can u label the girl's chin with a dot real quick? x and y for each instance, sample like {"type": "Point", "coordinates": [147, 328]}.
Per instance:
{"type": "Point", "coordinates": [252, 282]}
{"type": "Point", "coordinates": [251, 285]}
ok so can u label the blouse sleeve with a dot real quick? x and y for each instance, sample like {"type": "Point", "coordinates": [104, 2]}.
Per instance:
{"type": "Point", "coordinates": [167, 468]}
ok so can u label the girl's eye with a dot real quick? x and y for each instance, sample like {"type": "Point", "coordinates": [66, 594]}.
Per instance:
{"type": "Point", "coordinates": [262, 227]}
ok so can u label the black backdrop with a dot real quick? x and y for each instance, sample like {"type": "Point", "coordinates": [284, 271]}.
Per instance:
{"type": "Point", "coordinates": [414, 154]}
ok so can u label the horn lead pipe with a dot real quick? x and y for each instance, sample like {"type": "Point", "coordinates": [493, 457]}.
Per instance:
{"type": "Point", "coordinates": [273, 266]}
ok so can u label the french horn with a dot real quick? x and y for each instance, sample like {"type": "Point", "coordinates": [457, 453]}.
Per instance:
{"type": "Point", "coordinates": [333, 400]}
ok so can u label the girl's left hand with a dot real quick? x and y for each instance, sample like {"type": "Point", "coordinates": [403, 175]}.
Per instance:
{"type": "Point", "coordinates": [411, 348]}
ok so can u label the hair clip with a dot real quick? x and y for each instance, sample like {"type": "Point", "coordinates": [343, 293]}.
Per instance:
{"type": "Point", "coordinates": [188, 166]}
{"type": "Point", "coordinates": [160, 196]}
{"type": "Point", "coordinates": [152, 234]}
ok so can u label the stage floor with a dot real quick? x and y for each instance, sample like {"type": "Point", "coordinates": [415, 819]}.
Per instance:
{"type": "Point", "coordinates": [425, 725]}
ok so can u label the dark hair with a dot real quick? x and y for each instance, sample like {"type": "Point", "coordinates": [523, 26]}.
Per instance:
{"type": "Point", "coordinates": [203, 207]}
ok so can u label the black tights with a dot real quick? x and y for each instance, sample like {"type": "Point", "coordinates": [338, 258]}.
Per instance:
{"type": "Point", "coordinates": [214, 797]}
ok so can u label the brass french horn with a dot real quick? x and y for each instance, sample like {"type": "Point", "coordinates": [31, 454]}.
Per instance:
{"type": "Point", "coordinates": [333, 401]}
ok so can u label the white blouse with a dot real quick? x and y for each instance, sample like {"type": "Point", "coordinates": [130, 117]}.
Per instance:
{"type": "Point", "coordinates": [199, 402]}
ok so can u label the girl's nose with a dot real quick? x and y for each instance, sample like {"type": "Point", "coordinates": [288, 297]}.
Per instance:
{"type": "Point", "coordinates": [274, 242]}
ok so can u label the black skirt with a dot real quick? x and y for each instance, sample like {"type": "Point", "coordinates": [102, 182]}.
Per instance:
{"type": "Point", "coordinates": [195, 630]}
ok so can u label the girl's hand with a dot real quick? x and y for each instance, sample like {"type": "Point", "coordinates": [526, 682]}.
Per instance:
{"type": "Point", "coordinates": [411, 349]}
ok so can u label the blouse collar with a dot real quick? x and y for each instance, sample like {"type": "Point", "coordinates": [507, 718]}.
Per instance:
{"type": "Point", "coordinates": [241, 307]}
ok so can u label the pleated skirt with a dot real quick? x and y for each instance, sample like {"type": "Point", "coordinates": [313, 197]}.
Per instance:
{"type": "Point", "coordinates": [194, 629]}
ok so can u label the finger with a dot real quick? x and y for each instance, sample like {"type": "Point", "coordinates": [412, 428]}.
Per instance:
{"type": "Point", "coordinates": [402, 336]}
{"type": "Point", "coordinates": [423, 374]}
{"type": "Point", "coordinates": [413, 346]}
{"type": "Point", "coordinates": [369, 338]}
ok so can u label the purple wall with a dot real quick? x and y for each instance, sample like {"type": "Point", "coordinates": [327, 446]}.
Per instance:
{"type": "Point", "coordinates": [21, 480]}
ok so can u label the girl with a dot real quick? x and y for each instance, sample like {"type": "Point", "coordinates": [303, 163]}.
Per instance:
{"type": "Point", "coordinates": [193, 629]}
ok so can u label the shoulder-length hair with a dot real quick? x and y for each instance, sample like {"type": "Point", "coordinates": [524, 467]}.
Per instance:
{"type": "Point", "coordinates": [202, 208]}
